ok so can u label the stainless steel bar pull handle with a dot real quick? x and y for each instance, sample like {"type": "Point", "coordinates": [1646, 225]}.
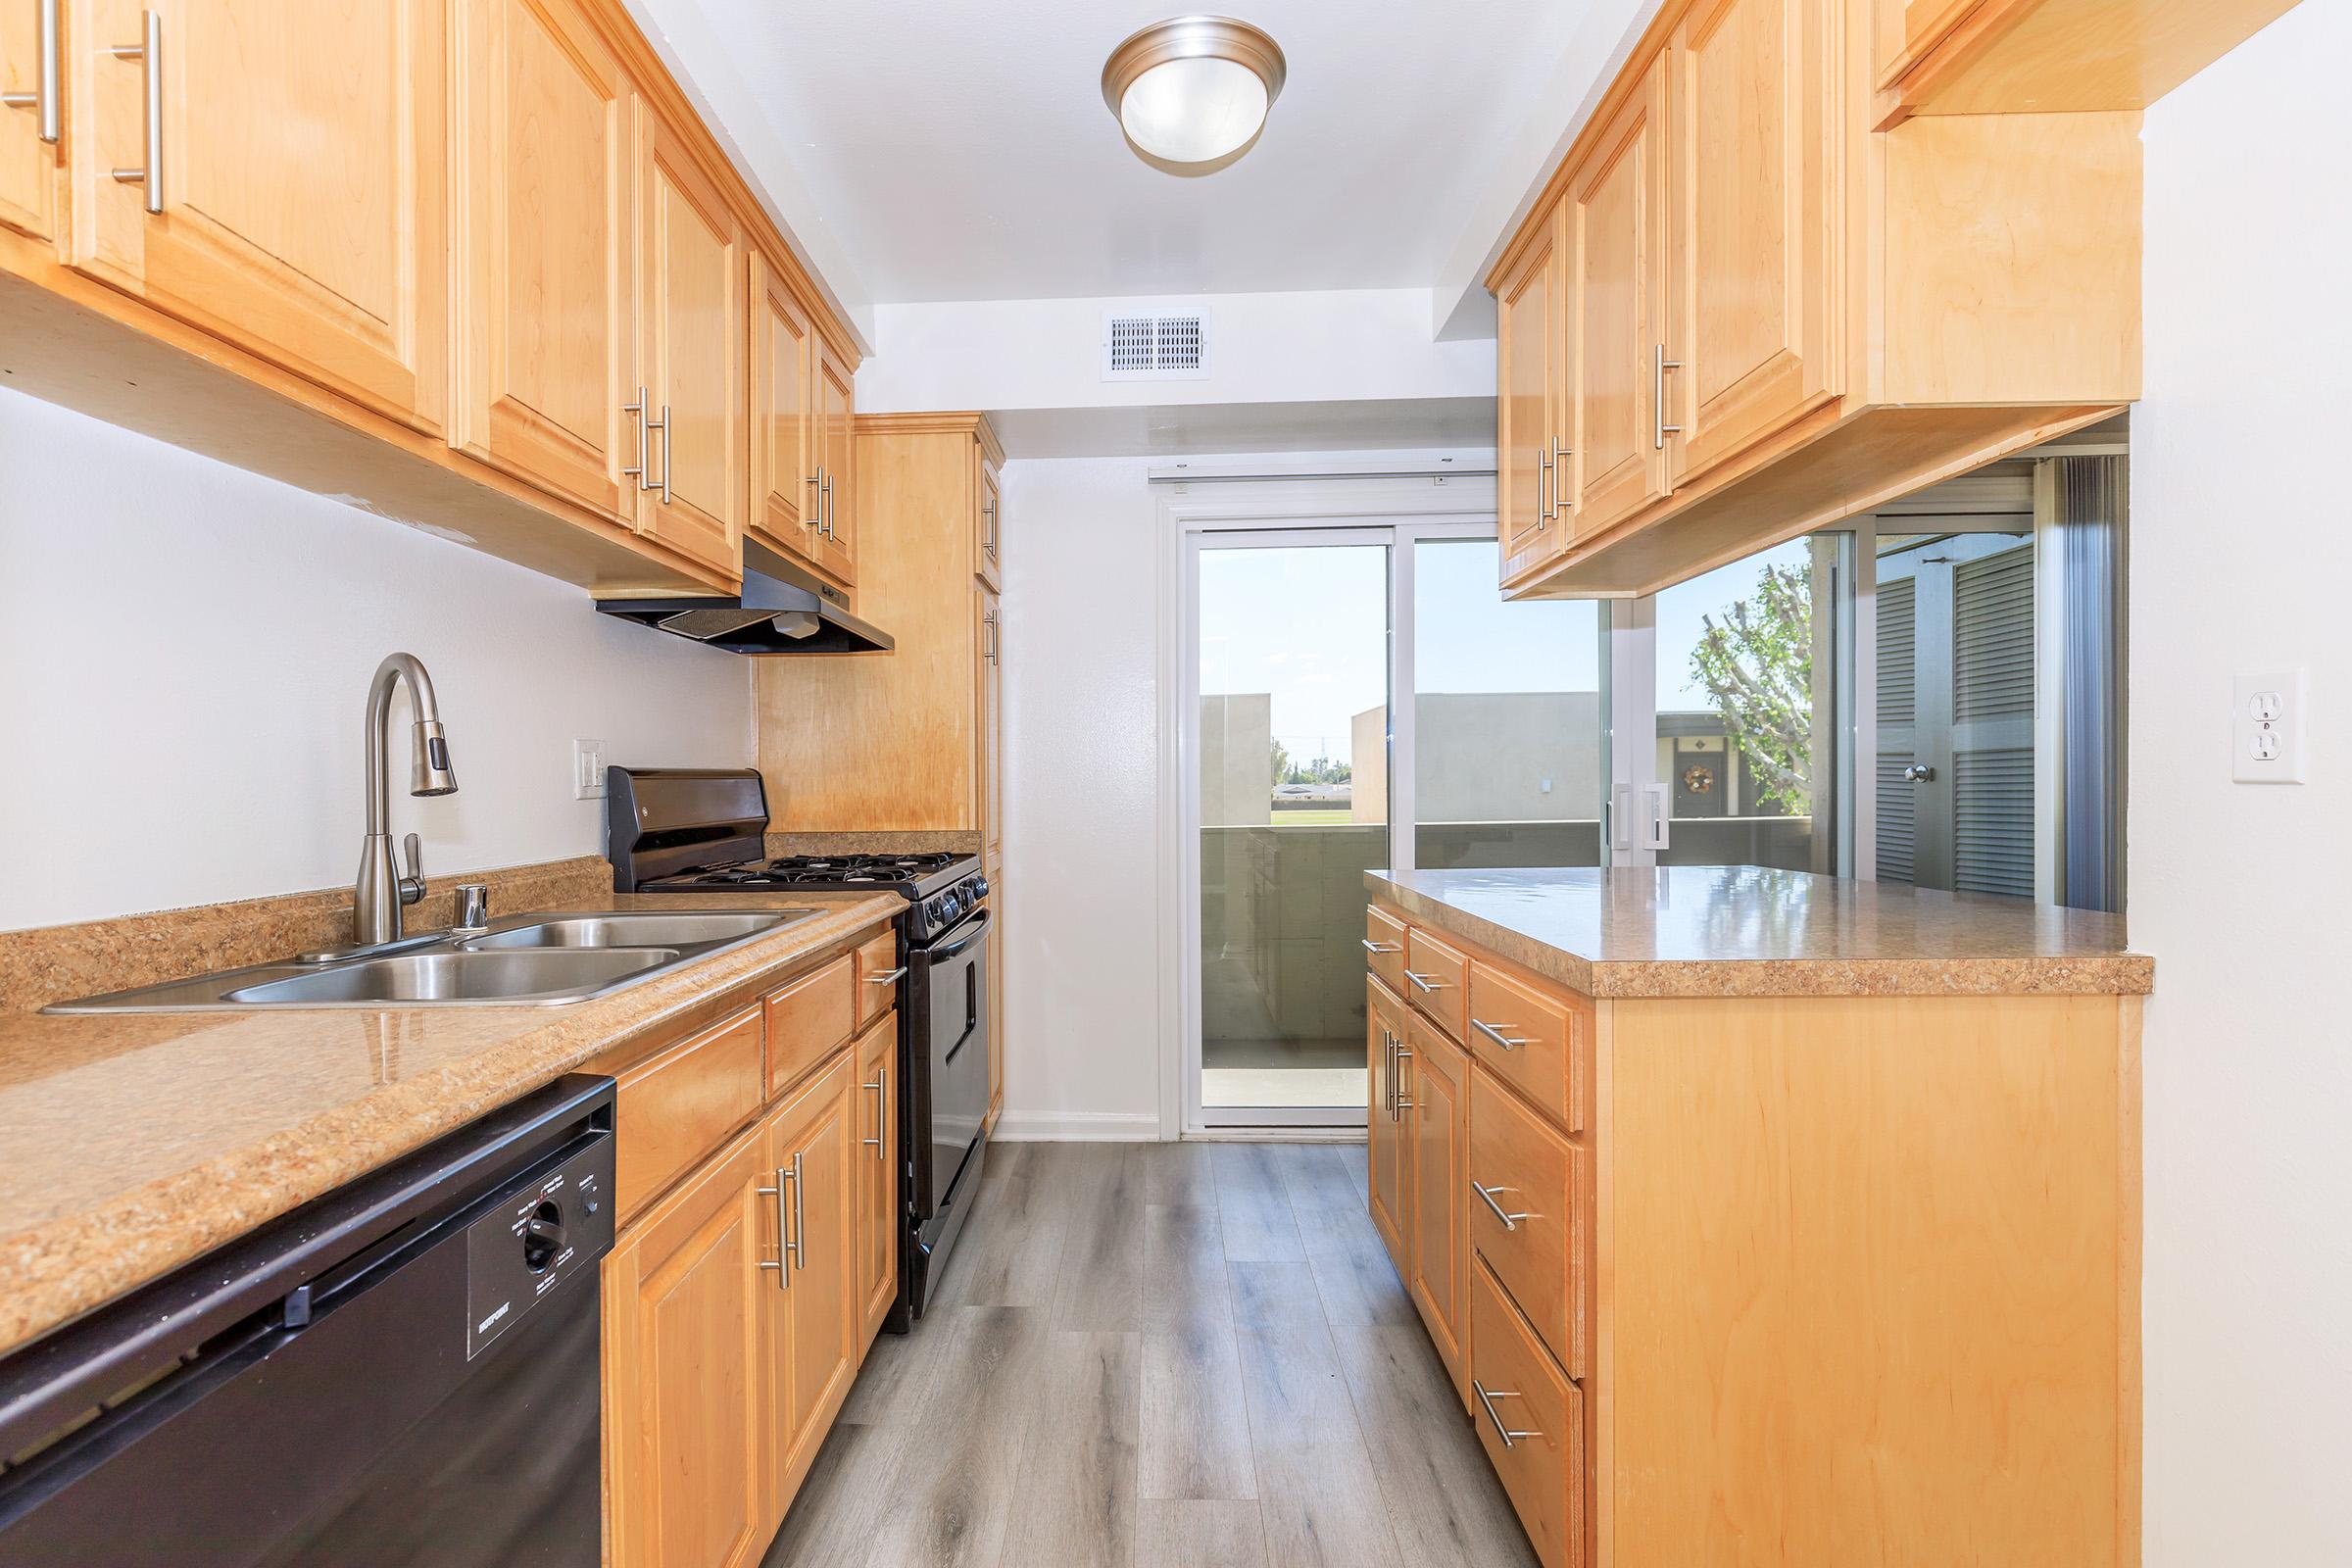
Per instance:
{"type": "Point", "coordinates": [1657, 397]}
{"type": "Point", "coordinates": [824, 511]}
{"type": "Point", "coordinates": [888, 977]}
{"type": "Point", "coordinates": [44, 100]}
{"type": "Point", "coordinates": [800, 1223]}
{"type": "Point", "coordinates": [1426, 983]}
{"type": "Point", "coordinates": [1398, 1103]}
{"type": "Point", "coordinates": [149, 52]}
{"type": "Point", "coordinates": [1371, 945]}
{"type": "Point", "coordinates": [637, 411]}
{"type": "Point", "coordinates": [1494, 1032]}
{"type": "Point", "coordinates": [988, 535]}
{"type": "Point", "coordinates": [878, 1084]}
{"type": "Point", "coordinates": [1543, 472]}
{"type": "Point", "coordinates": [1562, 505]}
{"type": "Point", "coordinates": [669, 453]}
{"type": "Point", "coordinates": [1510, 1222]}
{"type": "Point", "coordinates": [1486, 1397]}
{"type": "Point", "coordinates": [813, 516]}
{"type": "Point", "coordinates": [783, 1230]}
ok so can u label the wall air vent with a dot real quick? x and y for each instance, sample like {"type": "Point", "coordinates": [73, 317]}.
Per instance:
{"type": "Point", "coordinates": [1156, 343]}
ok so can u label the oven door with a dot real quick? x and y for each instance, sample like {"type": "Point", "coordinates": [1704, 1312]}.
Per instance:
{"type": "Point", "coordinates": [948, 1046]}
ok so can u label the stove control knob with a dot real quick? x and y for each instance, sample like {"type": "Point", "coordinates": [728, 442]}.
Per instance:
{"type": "Point", "coordinates": [980, 889]}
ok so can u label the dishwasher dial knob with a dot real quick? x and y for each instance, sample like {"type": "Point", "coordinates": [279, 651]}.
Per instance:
{"type": "Point", "coordinates": [542, 1236]}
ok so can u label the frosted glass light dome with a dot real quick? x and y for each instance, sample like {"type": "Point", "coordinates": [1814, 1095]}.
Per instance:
{"type": "Point", "coordinates": [1192, 93]}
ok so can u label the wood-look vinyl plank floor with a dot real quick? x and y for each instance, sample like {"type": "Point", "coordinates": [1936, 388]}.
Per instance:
{"type": "Point", "coordinates": [1177, 1355]}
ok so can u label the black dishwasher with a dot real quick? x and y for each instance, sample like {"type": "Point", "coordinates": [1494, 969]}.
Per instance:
{"type": "Point", "coordinates": [402, 1373]}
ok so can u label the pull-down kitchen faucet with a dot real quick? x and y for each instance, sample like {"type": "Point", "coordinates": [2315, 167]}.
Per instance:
{"type": "Point", "coordinates": [381, 892]}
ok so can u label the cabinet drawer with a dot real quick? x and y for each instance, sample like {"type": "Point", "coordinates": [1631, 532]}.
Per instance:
{"type": "Point", "coordinates": [680, 1104]}
{"type": "Point", "coordinates": [1535, 1177]}
{"type": "Point", "coordinates": [1437, 980]}
{"type": "Point", "coordinates": [878, 976]}
{"type": "Point", "coordinates": [1515, 1388]}
{"type": "Point", "coordinates": [810, 1018]}
{"type": "Point", "coordinates": [1540, 1043]}
{"type": "Point", "coordinates": [1384, 947]}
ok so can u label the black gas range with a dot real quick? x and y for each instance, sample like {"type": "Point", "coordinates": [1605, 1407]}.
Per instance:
{"type": "Point", "coordinates": [705, 830]}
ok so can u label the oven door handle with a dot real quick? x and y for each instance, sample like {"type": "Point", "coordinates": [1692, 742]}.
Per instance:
{"type": "Point", "coordinates": [962, 936]}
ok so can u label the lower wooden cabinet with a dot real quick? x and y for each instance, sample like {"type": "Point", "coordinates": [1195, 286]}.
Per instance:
{"type": "Point", "coordinates": [812, 1316]}
{"type": "Point", "coordinates": [1531, 1421]}
{"type": "Point", "coordinates": [876, 1158]}
{"type": "Point", "coordinates": [739, 1302]}
{"type": "Point", "coordinates": [1436, 1153]}
{"type": "Point", "coordinates": [1385, 1032]}
{"type": "Point", "coordinates": [687, 1321]}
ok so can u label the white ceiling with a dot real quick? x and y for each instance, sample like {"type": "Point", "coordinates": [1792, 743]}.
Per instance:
{"type": "Point", "coordinates": [961, 150]}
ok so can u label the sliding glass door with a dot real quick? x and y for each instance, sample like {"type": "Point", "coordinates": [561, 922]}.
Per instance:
{"type": "Point", "coordinates": [1362, 700]}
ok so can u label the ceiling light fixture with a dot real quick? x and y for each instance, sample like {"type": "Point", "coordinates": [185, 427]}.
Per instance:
{"type": "Point", "coordinates": [1192, 93]}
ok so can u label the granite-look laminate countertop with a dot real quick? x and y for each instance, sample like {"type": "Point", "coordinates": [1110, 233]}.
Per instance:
{"type": "Point", "coordinates": [1751, 931]}
{"type": "Point", "coordinates": [131, 1143]}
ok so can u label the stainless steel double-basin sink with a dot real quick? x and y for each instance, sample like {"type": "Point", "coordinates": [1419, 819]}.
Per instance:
{"type": "Point", "coordinates": [524, 961]}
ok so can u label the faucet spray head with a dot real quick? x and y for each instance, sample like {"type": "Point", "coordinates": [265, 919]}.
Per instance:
{"type": "Point", "coordinates": [429, 772]}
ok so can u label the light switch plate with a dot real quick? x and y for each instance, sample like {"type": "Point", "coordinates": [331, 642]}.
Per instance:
{"type": "Point", "coordinates": [588, 770]}
{"type": "Point", "coordinates": [2267, 726]}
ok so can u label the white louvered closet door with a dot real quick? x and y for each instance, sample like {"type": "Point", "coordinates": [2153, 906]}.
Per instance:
{"type": "Point", "coordinates": [1955, 663]}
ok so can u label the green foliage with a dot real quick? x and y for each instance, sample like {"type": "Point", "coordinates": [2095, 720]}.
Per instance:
{"type": "Point", "coordinates": [1757, 664]}
{"type": "Point", "coordinates": [1322, 770]}
{"type": "Point", "coordinates": [1281, 763]}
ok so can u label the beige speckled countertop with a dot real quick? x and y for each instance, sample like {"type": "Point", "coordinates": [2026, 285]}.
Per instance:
{"type": "Point", "coordinates": [1751, 931]}
{"type": "Point", "coordinates": [131, 1143]}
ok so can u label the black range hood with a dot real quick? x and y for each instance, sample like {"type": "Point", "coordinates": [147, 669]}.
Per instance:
{"type": "Point", "coordinates": [782, 608]}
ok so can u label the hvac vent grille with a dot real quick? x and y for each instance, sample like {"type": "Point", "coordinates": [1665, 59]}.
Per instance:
{"type": "Point", "coordinates": [1157, 345]}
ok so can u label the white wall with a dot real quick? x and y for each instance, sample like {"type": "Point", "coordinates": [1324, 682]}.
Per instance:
{"type": "Point", "coordinates": [185, 656]}
{"type": "Point", "coordinates": [1083, 898]}
{"type": "Point", "coordinates": [2240, 562]}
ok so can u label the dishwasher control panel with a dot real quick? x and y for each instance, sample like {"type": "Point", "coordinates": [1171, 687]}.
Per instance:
{"type": "Point", "coordinates": [535, 1237]}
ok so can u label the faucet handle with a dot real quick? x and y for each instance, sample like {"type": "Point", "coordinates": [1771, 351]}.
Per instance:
{"type": "Point", "coordinates": [411, 886]}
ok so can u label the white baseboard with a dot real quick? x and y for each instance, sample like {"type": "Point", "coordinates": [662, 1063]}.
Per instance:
{"type": "Point", "coordinates": [1077, 1127]}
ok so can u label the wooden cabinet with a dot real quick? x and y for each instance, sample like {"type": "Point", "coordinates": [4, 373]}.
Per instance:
{"type": "Point", "coordinates": [875, 1231]}
{"type": "Point", "coordinates": [1527, 1215]}
{"type": "Point", "coordinates": [904, 742]}
{"type": "Point", "coordinates": [1436, 1136]}
{"type": "Point", "coordinates": [687, 1327]}
{"type": "Point", "coordinates": [1531, 1421]}
{"type": "Point", "coordinates": [292, 199]}
{"type": "Point", "coordinates": [32, 120]}
{"type": "Point", "coordinates": [546, 305]}
{"type": "Point", "coordinates": [813, 1332]}
{"type": "Point", "coordinates": [1437, 981]}
{"type": "Point", "coordinates": [1534, 352]}
{"type": "Point", "coordinates": [988, 766]}
{"type": "Point", "coordinates": [809, 1020]}
{"type": "Point", "coordinates": [988, 533]}
{"type": "Point", "coordinates": [1385, 1035]}
{"type": "Point", "coordinates": [835, 400]}
{"type": "Point", "coordinates": [1616, 312]}
{"type": "Point", "coordinates": [680, 1102]}
{"type": "Point", "coordinates": [1753, 240]}
{"type": "Point", "coordinates": [787, 437]}
{"type": "Point", "coordinates": [692, 333]}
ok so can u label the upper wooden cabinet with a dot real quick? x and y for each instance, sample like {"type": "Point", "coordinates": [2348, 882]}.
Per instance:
{"type": "Point", "coordinates": [1617, 211]}
{"type": "Point", "coordinates": [1750, 327]}
{"type": "Point", "coordinates": [547, 298]}
{"type": "Point", "coordinates": [1534, 353]}
{"type": "Point", "coordinates": [835, 401]}
{"type": "Point", "coordinates": [784, 481]}
{"type": "Point", "coordinates": [293, 162]}
{"type": "Point", "coordinates": [1972, 57]}
{"type": "Point", "coordinates": [909, 740]}
{"type": "Point", "coordinates": [32, 123]}
{"type": "Point", "coordinates": [1776, 317]}
{"type": "Point", "coordinates": [988, 534]}
{"type": "Point", "coordinates": [692, 495]}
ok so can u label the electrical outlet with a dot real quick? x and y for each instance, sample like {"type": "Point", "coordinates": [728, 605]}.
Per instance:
{"type": "Point", "coordinates": [2265, 729]}
{"type": "Point", "coordinates": [587, 770]}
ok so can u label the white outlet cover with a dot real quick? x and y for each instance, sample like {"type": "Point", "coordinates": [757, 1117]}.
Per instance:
{"type": "Point", "coordinates": [2268, 717]}
{"type": "Point", "coordinates": [588, 770]}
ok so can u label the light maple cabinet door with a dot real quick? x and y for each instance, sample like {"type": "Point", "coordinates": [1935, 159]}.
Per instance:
{"type": "Point", "coordinates": [835, 400]}
{"type": "Point", "coordinates": [813, 1339]}
{"type": "Point", "coordinates": [686, 1324]}
{"type": "Point", "coordinates": [1617, 210]}
{"type": "Point", "coordinates": [1384, 1128]}
{"type": "Point", "coordinates": [1437, 1192]}
{"type": "Point", "coordinates": [785, 440]}
{"type": "Point", "coordinates": [988, 529]}
{"type": "Point", "coordinates": [694, 343]}
{"type": "Point", "coordinates": [32, 123]}
{"type": "Point", "coordinates": [292, 181]}
{"type": "Point", "coordinates": [1752, 240]}
{"type": "Point", "coordinates": [546, 305]}
{"type": "Point", "coordinates": [988, 638]}
{"type": "Point", "coordinates": [876, 1158]}
{"type": "Point", "coordinates": [1531, 354]}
